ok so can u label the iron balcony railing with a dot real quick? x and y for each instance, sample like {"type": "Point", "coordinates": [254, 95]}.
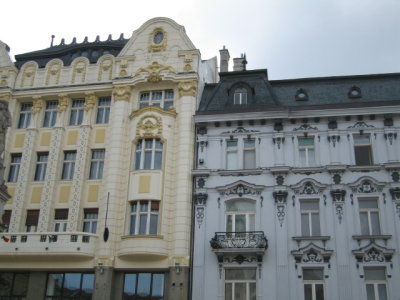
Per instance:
{"type": "Point", "coordinates": [246, 240]}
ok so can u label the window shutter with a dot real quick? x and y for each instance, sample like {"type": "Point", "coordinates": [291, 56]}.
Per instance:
{"type": "Point", "coordinates": [61, 214]}
{"type": "Point", "coordinates": [32, 217]}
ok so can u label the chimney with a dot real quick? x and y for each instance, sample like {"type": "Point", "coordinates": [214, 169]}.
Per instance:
{"type": "Point", "coordinates": [239, 63]}
{"type": "Point", "coordinates": [224, 56]}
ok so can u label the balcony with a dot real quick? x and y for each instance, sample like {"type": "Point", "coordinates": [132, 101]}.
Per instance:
{"type": "Point", "coordinates": [72, 244]}
{"type": "Point", "coordinates": [239, 242]}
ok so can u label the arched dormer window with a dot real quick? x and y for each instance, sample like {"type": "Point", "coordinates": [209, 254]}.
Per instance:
{"type": "Point", "coordinates": [240, 96]}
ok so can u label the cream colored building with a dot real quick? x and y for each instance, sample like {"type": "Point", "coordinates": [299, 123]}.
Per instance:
{"type": "Point", "coordinates": [98, 163]}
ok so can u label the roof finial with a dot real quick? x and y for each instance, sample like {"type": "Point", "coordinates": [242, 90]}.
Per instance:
{"type": "Point", "coordinates": [52, 39]}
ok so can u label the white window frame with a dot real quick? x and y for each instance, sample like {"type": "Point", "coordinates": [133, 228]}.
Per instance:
{"type": "Point", "coordinates": [50, 113]}
{"type": "Point", "coordinates": [15, 165]}
{"type": "Point", "coordinates": [41, 166]}
{"type": "Point", "coordinates": [25, 115]}
{"type": "Point", "coordinates": [60, 225]}
{"type": "Point", "coordinates": [375, 283]}
{"type": "Point", "coordinates": [240, 96]}
{"type": "Point", "coordinates": [250, 216]}
{"type": "Point", "coordinates": [361, 145]}
{"type": "Point", "coordinates": [103, 110]}
{"type": "Point", "coordinates": [90, 219]}
{"type": "Point", "coordinates": [149, 98]}
{"type": "Point", "coordinates": [306, 150]}
{"type": "Point", "coordinates": [136, 228]}
{"type": "Point", "coordinates": [232, 154]}
{"type": "Point", "coordinates": [97, 164]}
{"type": "Point", "coordinates": [369, 211]}
{"type": "Point", "coordinates": [314, 283]}
{"type": "Point", "coordinates": [310, 213]}
{"type": "Point", "coordinates": [247, 149]}
{"type": "Point", "coordinates": [142, 151]}
{"type": "Point", "coordinates": [68, 165]}
{"type": "Point", "coordinates": [234, 282]}
{"type": "Point", "coordinates": [77, 111]}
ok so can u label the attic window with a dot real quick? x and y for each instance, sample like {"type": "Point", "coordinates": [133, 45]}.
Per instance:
{"type": "Point", "coordinates": [240, 96]}
{"type": "Point", "coordinates": [301, 95]}
{"type": "Point", "coordinates": [354, 92]}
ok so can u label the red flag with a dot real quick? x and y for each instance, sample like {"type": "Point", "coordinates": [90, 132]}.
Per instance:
{"type": "Point", "coordinates": [6, 239]}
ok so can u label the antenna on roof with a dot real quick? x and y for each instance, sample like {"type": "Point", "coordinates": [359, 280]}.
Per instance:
{"type": "Point", "coordinates": [52, 39]}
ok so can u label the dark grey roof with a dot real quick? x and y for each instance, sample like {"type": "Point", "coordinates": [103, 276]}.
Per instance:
{"type": "Point", "coordinates": [67, 53]}
{"type": "Point", "coordinates": [341, 91]}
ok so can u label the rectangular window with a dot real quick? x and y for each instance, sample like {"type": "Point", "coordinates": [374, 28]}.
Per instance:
{"type": "Point", "coordinates": [143, 286]}
{"type": "Point", "coordinates": [249, 154]}
{"type": "Point", "coordinates": [375, 283]}
{"type": "Point", "coordinates": [32, 219]}
{"type": "Point", "coordinates": [103, 110]}
{"type": "Point", "coordinates": [68, 165]}
{"type": "Point", "coordinates": [60, 220]}
{"type": "Point", "coordinates": [41, 166]}
{"type": "Point", "coordinates": [164, 99]}
{"type": "Point", "coordinates": [25, 115]}
{"type": "Point", "coordinates": [6, 220]}
{"type": "Point", "coordinates": [97, 164]}
{"type": "Point", "coordinates": [231, 154]}
{"type": "Point", "coordinates": [50, 114]}
{"type": "Point", "coordinates": [144, 217]}
{"type": "Point", "coordinates": [90, 220]}
{"type": "Point", "coordinates": [13, 285]}
{"type": "Point", "coordinates": [310, 224]}
{"type": "Point", "coordinates": [240, 284]}
{"type": "Point", "coordinates": [76, 117]}
{"type": "Point", "coordinates": [148, 154]}
{"type": "Point", "coordinates": [306, 151]}
{"type": "Point", "coordinates": [362, 150]}
{"type": "Point", "coordinates": [69, 286]}
{"type": "Point", "coordinates": [14, 167]}
{"type": "Point", "coordinates": [313, 280]}
{"type": "Point", "coordinates": [369, 217]}
{"type": "Point", "coordinates": [240, 96]}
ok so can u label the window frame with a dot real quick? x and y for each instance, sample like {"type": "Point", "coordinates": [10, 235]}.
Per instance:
{"type": "Point", "coordinates": [309, 232]}
{"type": "Point", "coordinates": [142, 151]}
{"type": "Point", "coordinates": [306, 149]}
{"type": "Point", "coordinates": [232, 154]}
{"type": "Point", "coordinates": [137, 294]}
{"type": "Point", "coordinates": [359, 146]}
{"type": "Point", "coordinates": [163, 102]}
{"type": "Point", "coordinates": [249, 216]}
{"type": "Point", "coordinates": [246, 150]}
{"type": "Point", "coordinates": [41, 166]}
{"type": "Point", "coordinates": [375, 283]}
{"type": "Point", "coordinates": [135, 217]}
{"type": "Point", "coordinates": [25, 115]}
{"type": "Point", "coordinates": [12, 294]}
{"type": "Point", "coordinates": [32, 220]}
{"type": "Point", "coordinates": [13, 172]}
{"type": "Point", "coordinates": [50, 113]}
{"type": "Point", "coordinates": [240, 96]}
{"type": "Point", "coordinates": [314, 283]}
{"type": "Point", "coordinates": [90, 221]}
{"type": "Point", "coordinates": [234, 282]}
{"type": "Point", "coordinates": [62, 288]}
{"type": "Point", "coordinates": [61, 219]}
{"type": "Point", "coordinates": [68, 169]}
{"type": "Point", "coordinates": [368, 210]}
{"type": "Point", "coordinates": [77, 112]}
{"type": "Point", "coordinates": [103, 110]}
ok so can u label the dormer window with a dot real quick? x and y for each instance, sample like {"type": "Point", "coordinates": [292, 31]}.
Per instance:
{"type": "Point", "coordinates": [240, 96]}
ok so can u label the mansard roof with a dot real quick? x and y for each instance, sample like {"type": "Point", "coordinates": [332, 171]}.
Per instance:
{"type": "Point", "coordinates": [68, 52]}
{"type": "Point", "coordinates": [317, 93]}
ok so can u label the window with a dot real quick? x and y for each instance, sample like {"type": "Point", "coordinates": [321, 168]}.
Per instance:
{"type": "Point", "coordinates": [32, 218]}
{"type": "Point", "coordinates": [41, 166]}
{"type": "Point", "coordinates": [69, 165]}
{"type": "Point", "coordinates": [70, 286]}
{"type": "Point", "coordinates": [240, 216]}
{"type": "Point", "coordinates": [369, 216]}
{"type": "Point", "coordinates": [148, 154]}
{"type": "Point", "coordinates": [97, 164]}
{"type": "Point", "coordinates": [144, 217]}
{"type": "Point", "coordinates": [310, 225]}
{"type": "Point", "coordinates": [6, 220]}
{"type": "Point", "coordinates": [306, 151]}
{"type": "Point", "coordinates": [60, 220]}
{"type": "Point", "coordinates": [313, 281]}
{"type": "Point", "coordinates": [139, 286]}
{"type": "Point", "coordinates": [231, 154]}
{"type": "Point", "coordinates": [240, 96]}
{"type": "Point", "coordinates": [90, 220]}
{"type": "Point", "coordinates": [13, 285]}
{"type": "Point", "coordinates": [249, 154]}
{"type": "Point", "coordinates": [164, 99]}
{"type": "Point", "coordinates": [25, 115]}
{"type": "Point", "coordinates": [14, 167]}
{"type": "Point", "coordinates": [240, 284]}
{"type": "Point", "coordinates": [362, 150]}
{"type": "Point", "coordinates": [375, 283]}
{"type": "Point", "coordinates": [50, 114]}
{"type": "Point", "coordinates": [76, 117]}
{"type": "Point", "coordinates": [103, 110]}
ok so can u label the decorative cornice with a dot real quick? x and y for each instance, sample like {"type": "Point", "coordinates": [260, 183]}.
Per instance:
{"type": "Point", "coordinates": [187, 88]}
{"type": "Point", "coordinates": [122, 92]}
{"type": "Point", "coordinates": [151, 108]}
{"type": "Point", "coordinates": [154, 70]}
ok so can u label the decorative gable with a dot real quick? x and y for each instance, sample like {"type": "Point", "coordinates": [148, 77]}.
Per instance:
{"type": "Point", "coordinates": [240, 188]}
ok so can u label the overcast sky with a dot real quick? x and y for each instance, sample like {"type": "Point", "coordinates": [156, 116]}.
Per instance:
{"type": "Point", "coordinates": [291, 38]}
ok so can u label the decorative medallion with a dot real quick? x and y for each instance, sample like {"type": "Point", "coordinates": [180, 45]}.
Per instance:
{"type": "Point", "coordinates": [154, 71]}
{"type": "Point", "coordinates": [122, 92]}
{"type": "Point", "coordinates": [240, 188]}
{"type": "Point", "coordinates": [149, 126]}
{"type": "Point", "coordinates": [157, 40]}
{"type": "Point", "coordinates": [308, 187]}
{"type": "Point", "coordinates": [366, 185]}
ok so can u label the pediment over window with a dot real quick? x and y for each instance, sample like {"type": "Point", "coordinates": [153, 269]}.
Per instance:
{"type": "Point", "coordinates": [312, 254]}
{"type": "Point", "coordinates": [240, 188]}
{"type": "Point", "coordinates": [366, 185]}
{"type": "Point", "coordinates": [373, 253]}
{"type": "Point", "coordinates": [308, 186]}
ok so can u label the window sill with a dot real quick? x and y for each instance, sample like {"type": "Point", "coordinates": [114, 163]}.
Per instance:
{"type": "Point", "coordinates": [372, 237]}
{"type": "Point", "coordinates": [368, 168]}
{"type": "Point", "coordinates": [311, 238]}
{"type": "Point", "coordinates": [308, 170]}
{"type": "Point", "coordinates": [241, 172]}
{"type": "Point", "coordinates": [142, 236]}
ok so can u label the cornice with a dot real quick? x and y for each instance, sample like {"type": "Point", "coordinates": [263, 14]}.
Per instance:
{"type": "Point", "coordinates": [170, 112]}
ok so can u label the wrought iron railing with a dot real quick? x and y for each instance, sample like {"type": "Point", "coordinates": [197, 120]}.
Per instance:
{"type": "Point", "coordinates": [248, 239]}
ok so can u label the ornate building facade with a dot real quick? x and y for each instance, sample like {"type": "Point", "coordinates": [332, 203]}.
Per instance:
{"type": "Point", "coordinates": [98, 161]}
{"type": "Point", "coordinates": [297, 191]}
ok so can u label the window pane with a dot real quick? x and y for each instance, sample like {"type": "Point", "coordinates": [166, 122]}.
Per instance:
{"type": "Point", "coordinates": [137, 160]}
{"type": "Point", "coordinates": [309, 205]}
{"type": "Point", "coordinates": [252, 222]}
{"type": "Point", "coordinates": [302, 156]}
{"type": "Point", "coordinates": [54, 284]}
{"type": "Point", "coordinates": [153, 224]}
{"type": "Point", "coordinates": [249, 159]}
{"type": "Point", "coordinates": [315, 224]}
{"type": "Point", "coordinates": [253, 291]}
{"type": "Point", "coordinates": [143, 288]}
{"type": "Point", "coordinates": [229, 223]}
{"type": "Point", "coordinates": [312, 274]}
{"type": "Point", "coordinates": [228, 291]}
{"type": "Point", "coordinates": [375, 223]}
{"type": "Point", "coordinates": [240, 274]}
{"type": "Point", "coordinates": [88, 284]}
{"type": "Point", "coordinates": [370, 292]}
{"type": "Point", "coordinates": [72, 282]}
{"type": "Point", "coordinates": [158, 285]}
{"type": "Point", "coordinates": [143, 222]}
{"type": "Point", "coordinates": [305, 225]}
{"type": "Point", "coordinates": [363, 155]}
{"type": "Point", "coordinates": [368, 203]}
{"type": "Point", "coordinates": [306, 142]}
{"type": "Point", "coordinates": [240, 205]}
{"type": "Point", "coordinates": [240, 291]}
{"type": "Point", "coordinates": [308, 292]}
{"type": "Point", "coordinates": [319, 292]}
{"type": "Point", "coordinates": [375, 274]}
{"type": "Point", "coordinates": [240, 223]}
{"type": "Point", "coordinates": [169, 94]}
{"type": "Point", "coordinates": [157, 160]}
{"type": "Point", "coordinates": [130, 284]}
{"type": "Point", "coordinates": [361, 139]}
{"type": "Point", "coordinates": [231, 161]}
{"type": "Point", "coordinates": [132, 224]}
{"type": "Point", "coordinates": [147, 160]}
{"type": "Point", "coordinates": [311, 157]}
{"type": "Point", "coordinates": [364, 223]}
{"type": "Point", "coordinates": [382, 291]}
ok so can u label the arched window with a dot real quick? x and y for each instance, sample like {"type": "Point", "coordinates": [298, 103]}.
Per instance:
{"type": "Point", "coordinates": [240, 215]}
{"type": "Point", "coordinates": [240, 96]}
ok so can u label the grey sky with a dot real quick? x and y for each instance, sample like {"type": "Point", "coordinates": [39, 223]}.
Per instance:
{"type": "Point", "coordinates": [291, 38]}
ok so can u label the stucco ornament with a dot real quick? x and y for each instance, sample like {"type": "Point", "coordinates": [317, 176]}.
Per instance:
{"type": "Point", "coordinates": [53, 71]}
{"type": "Point", "coordinates": [4, 77]}
{"type": "Point", "coordinates": [149, 126]}
{"type": "Point", "coordinates": [63, 101]}
{"type": "Point", "coordinates": [157, 40]}
{"type": "Point", "coordinates": [187, 88]}
{"type": "Point", "coordinates": [90, 101]}
{"type": "Point", "coordinates": [122, 93]}
{"type": "Point", "coordinates": [29, 73]}
{"type": "Point", "coordinates": [79, 68]}
{"type": "Point", "coordinates": [37, 104]}
{"type": "Point", "coordinates": [154, 70]}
